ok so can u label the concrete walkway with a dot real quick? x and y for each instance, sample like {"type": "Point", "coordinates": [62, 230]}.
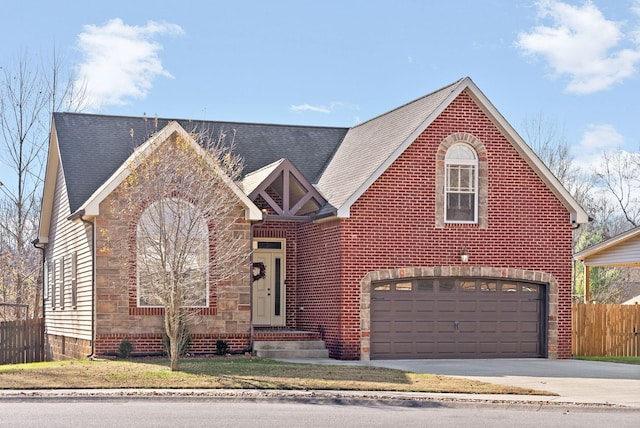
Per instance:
{"type": "Point", "coordinates": [575, 381]}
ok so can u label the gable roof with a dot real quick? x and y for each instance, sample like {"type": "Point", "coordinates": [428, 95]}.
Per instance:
{"type": "Point", "coordinates": [92, 205]}
{"type": "Point", "coordinates": [341, 162]}
{"type": "Point", "coordinates": [371, 147]}
{"type": "Point", "coordinates": [620, 250]}
{"type": "Point", "coordinates": [92, 147]}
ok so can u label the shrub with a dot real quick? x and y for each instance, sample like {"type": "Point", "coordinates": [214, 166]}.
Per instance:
{"type": "Point", "coordinates": [125, 349]}
{"type": "Point", "coordinates": [221, 347]}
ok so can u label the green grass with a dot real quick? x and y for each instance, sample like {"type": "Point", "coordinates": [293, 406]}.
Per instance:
{"type": "Point", "coordinates": [623, 360]}
{"type": "Point", "coordinates": [235, 373]}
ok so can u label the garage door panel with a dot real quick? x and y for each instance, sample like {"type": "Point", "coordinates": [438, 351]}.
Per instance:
{"type": "Point", "coordinates": [467, 306]}
{"type": "Point", "coordinates": [423, 327]}
{"type": "Point", "coordinates": [504, 319]}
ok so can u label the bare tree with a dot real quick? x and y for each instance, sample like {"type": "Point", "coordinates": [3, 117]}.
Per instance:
{"type": "Point", "coordinates": [185, 214]}
{"type": "Point", "coordinates": [28, 94]}
{"type": "Point", "coordinates": [549, 142]}
{"type": "Point", "coordinates": [619, 176]}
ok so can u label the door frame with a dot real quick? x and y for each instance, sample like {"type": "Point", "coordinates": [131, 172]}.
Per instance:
{"type": "Point", "coordinates": [275, 320]}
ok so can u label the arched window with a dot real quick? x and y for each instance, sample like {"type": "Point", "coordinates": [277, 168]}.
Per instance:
{"type": "Point", "coordinates": [461, 184]}
{"type": "Point", "coordinates": [172, 255]}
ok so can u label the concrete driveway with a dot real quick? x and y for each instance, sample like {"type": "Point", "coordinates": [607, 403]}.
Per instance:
{"type": "Point", "coordinates": [575, 381]}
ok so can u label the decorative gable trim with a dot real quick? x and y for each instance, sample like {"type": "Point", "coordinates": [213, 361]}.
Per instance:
{"type": "Point", "coordinates": [49, 192]}
{"type": "Point", "coordinates": [285, 190]}
{"type": "Point", "coordinates": [92, 206]}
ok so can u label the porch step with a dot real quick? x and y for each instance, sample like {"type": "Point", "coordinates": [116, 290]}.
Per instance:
{"type": "Point", "coordinates": [290, 349]}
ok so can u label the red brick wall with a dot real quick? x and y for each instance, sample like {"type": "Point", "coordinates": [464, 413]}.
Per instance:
{"type": "Point", "coordinates": [320, 287]}
{"type": "Point", "coordinates": [393, 225]}
{"type": "Point", "coordinates": [150, 343]}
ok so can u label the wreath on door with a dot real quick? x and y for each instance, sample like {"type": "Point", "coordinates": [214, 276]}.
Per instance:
{"type": "Point", "coordinates": [262, 271]}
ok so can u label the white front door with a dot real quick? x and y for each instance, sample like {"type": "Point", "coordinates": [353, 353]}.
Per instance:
{"type": "Point", "coordinates": [268, 303]}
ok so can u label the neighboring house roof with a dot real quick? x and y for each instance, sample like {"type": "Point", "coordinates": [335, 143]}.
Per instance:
{"type": "Point", "coordinates": [621, 250]}
{"type": "Point", "coordinates": [633, 301]}
{"type": "Point", "coordinates": [340, 162]}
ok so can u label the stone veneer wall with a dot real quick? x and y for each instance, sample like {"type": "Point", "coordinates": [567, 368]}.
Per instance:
{"type": "Point", "coordinates": [117, 314]}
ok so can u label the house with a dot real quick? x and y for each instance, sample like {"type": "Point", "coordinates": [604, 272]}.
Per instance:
{"type": "Point", "coordinates": [430, 231]}
{"type": "Point", "coordinates": [622, 250]}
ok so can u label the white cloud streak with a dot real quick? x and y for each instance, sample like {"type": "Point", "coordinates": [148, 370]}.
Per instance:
{"type": "Point", "coordinates": [595, 53]}
{"type": "Point", "coordinates": [334, 106]}
{"type": "Point", "coordinates": [120, 61]}
{"type": "Point", "coordinates": [309, 107]}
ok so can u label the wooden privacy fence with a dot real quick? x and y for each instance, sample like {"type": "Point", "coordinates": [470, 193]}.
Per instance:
{"type": "Point", "coordinates": [22, 341]}
{"type": "Point", "coordinates": [605, 330]}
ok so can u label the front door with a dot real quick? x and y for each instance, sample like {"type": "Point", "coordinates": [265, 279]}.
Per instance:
{"type": "Point", "coordinates": [268, 303]}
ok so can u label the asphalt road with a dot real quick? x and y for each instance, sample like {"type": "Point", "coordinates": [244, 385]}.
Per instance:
{"type": "Point", "coordinates": [180, 412]}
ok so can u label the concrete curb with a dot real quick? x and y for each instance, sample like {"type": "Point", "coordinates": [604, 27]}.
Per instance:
{"type": "Point", "coordinates": [366, 398]}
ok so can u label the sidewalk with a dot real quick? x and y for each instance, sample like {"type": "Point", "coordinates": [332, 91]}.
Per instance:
{"type": "Point", "coordinates": [575, 381]}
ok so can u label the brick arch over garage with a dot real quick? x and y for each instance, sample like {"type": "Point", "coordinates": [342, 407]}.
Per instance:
{"type": "Point", "coordinates": [459, 272]}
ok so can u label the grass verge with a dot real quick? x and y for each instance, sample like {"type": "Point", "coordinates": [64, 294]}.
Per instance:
{"type": "Point", "coordinates": [235, 373]}
{"type": "Point", "coordinates": [623, 360]}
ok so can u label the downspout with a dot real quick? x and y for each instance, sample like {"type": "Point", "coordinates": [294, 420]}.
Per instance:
{"type": "Point", "coordinates": [37, 244]}
{"type": "Point", "coordinates": [79, 215]}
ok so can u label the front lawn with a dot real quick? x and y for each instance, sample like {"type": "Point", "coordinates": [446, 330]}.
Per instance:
{"type": "Point", "coordinates": [234, 373]}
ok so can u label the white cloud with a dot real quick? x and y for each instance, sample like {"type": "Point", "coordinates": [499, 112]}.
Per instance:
{"type": "Point", "coordinates": [334, 106]}
{"type": "Point", "coordinates": [598, 138]}
{"type": "Point", "coordinates": [582, 44]}
{"type": "Point", "coordinates": [309, 107]}
{"type": "Point", "coordinates": [121, 61]}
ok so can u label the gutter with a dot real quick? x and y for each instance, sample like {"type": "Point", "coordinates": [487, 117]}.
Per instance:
{"type": "Point", "coordinates": [79, 215]}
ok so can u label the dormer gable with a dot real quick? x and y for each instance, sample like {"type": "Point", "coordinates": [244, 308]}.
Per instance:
{"type": "Point", "coordinates": [281, 190]}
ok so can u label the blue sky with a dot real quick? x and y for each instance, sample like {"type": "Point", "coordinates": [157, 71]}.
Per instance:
{"type": "Point", "coordinates": [338, 63]}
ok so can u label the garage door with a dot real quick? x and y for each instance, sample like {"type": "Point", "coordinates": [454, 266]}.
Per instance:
{"type": "Point", "coordinates": [457, 318]}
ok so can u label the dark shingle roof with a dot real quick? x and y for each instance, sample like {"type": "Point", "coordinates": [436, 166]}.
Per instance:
{"type": "Point", "coordinates": [93, 146]}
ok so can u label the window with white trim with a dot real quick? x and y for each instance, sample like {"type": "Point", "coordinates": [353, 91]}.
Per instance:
{"type": "Point", "coordinates": [461, 184]}
{"type": "Point", "coordinates": [172, 255]}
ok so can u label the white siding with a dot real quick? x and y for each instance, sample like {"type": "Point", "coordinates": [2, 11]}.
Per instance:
{"type": "Point", "coordinates": [625, 253]}
{"type": "Point", "coordinates": [65, 239]}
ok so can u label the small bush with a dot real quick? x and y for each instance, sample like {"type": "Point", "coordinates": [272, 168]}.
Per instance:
{"type": "Point", "coordinates": [222, 347]}
{"type": "Point", "coordinates": [125, 349]}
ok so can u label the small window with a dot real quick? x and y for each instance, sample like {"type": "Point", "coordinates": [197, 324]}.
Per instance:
{"type": "Point", "coordinates": [74, 279]}
{"type": "Point", "coordinates": [509, 287]}
{"type": "Point", "coordinates": [52, 283]}
{"type": "Point", "coordinates": [467, 286]}
{"type": "Point", "coordinates": [61, 282]}
{"type": "Point", "coordinates": [446, 285]}
{"type": "Point", "coordinates": [461, 184]}
{"type": "Point", "coordinates": [424, 285]}
{"type": "Point", "coordinates": [488, 286]}
{"type": "Point", "coordinates": [382, 287]}
{"type": "Point", "coordinates": [530, 288]}
{"type": "Point", "coordinates": [269, 245]}
{"type": "Point", "coordinates": [404, 286]}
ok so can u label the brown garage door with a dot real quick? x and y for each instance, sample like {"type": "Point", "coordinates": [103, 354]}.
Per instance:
{"type": "Point", "coordinates": [457, 318]}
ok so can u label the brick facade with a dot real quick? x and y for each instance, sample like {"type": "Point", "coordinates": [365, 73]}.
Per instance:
{"type": "Point", "coordinates": [397, 223]}
{"type": "Point", "coordinates": [395, 228]}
